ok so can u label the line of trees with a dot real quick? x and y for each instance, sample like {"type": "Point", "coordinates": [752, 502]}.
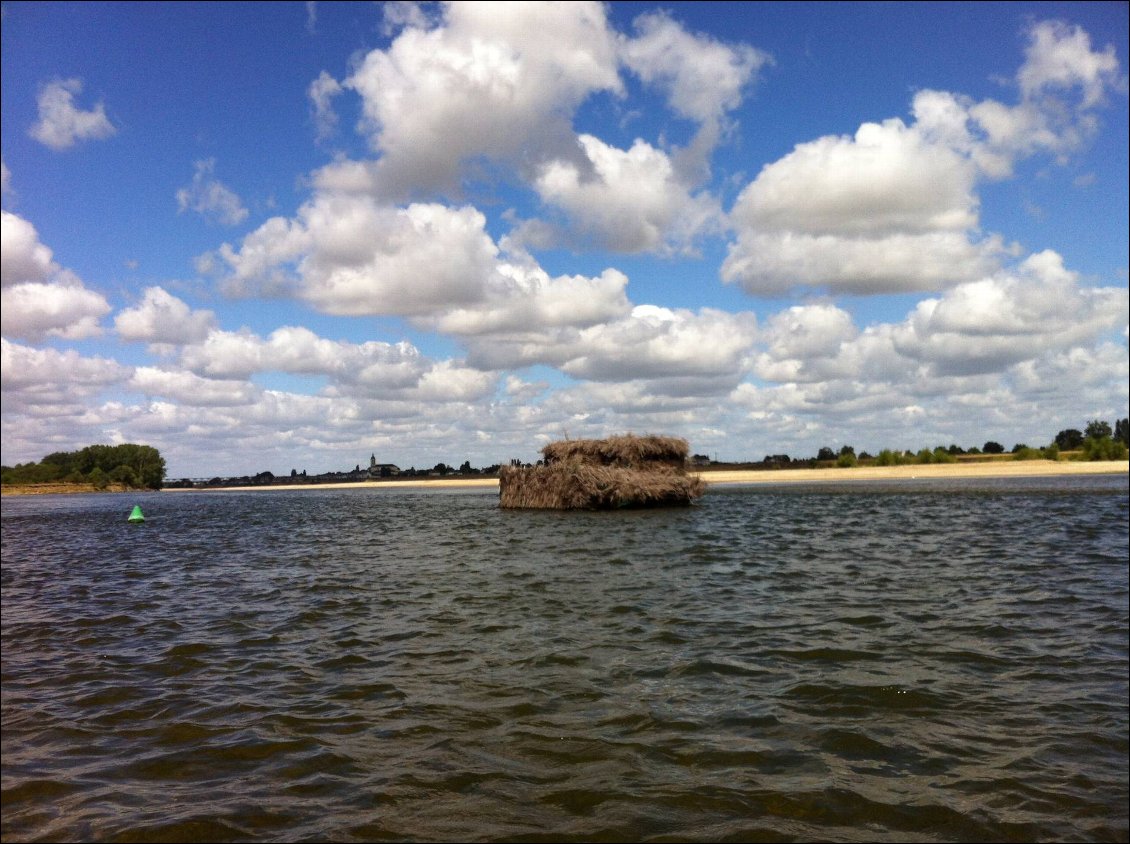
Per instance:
{"type": "Point", "coordinates": [1098, 441]}
{"type": "Point", "coordinates": [131, 465]}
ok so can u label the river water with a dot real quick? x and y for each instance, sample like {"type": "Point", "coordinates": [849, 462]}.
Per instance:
{"type": "Point", "coordinates": [915, 661]}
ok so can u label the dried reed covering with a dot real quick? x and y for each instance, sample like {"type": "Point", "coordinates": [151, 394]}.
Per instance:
{"type": "Point", "coordinates": [618, 472]}
{"type": "Point", "coordinates": [628, 451]}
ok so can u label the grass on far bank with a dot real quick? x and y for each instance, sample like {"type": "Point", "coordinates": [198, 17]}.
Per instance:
{"type": "Point", "coordinates": [60, 487]}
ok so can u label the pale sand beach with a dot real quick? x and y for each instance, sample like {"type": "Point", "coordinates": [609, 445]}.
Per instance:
{"type": "Point", "coordinates": [996, 469]}
{"type": "Point", "coordinates": [940, 471]}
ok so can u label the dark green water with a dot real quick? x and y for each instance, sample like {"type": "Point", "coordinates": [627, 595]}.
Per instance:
{"type": "Point", "coordinates": [917, 662]}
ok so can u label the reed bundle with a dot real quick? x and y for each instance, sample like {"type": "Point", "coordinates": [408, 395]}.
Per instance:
{"type": "Point", "coordinates": [615, 473]}
{"type": "Point", "coordinates": [626, 450]}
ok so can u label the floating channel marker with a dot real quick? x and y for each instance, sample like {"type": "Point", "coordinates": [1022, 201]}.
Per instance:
{"type": "Point", "coordinates": [136, 515]}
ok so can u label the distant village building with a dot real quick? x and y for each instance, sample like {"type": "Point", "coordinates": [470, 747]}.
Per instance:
{"type": "Point", "coordinates": [382, 470]}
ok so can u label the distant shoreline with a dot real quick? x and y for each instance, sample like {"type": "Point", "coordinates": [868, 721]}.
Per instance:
{"type": "Point", "coordinates": [995, 469]}
{"type": "Point", "coordinates": [927, 471]}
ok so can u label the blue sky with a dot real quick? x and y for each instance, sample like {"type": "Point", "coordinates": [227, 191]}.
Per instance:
{"type": "Point", "coordinates": [265, 236]}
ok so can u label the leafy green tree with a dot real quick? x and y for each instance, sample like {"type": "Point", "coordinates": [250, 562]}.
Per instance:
{"type": "Point", "coordinates": [942, 455]}
{"type": "Point", "coordinates": [98, 478]}
{"type": "Point", "coordinates": [66, 462]}
{"type": "Point", "coordinates": [886, 457]}
{"type": "Point", "coordinates": [1097, 429]}
{"type": "Point", "coordinates": [825, 453]}
{"type": "Point", "coordinates": [1122, 431]}
{"type": "Point", "coordinates": [135, 465]}
{"type": "Point", "coordinates": [96, 456]}
{"type": "Point", "coordinates": [992, 448]}
{"type": "Point", "coordinates": [123, 474]}
{"type": "Point", "coordinates": [1069, 439]}
{"type": "Point", "coordinates": [150, 467]}
{"type": "Point", "coordinates": [145, 462]}
{"type": "Point", "coordinates": [32, 473]}
{"type": "Point", "coordinates": [1103, 448]}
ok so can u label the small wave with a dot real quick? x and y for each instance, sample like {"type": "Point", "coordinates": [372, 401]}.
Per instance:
{"type": "Point", "coordinates": [190, 649]}
{"type": "Point", "coordinates": [338, 663]}
{"type": "Point", "coordinates": [367, 691]}
{"type": "Point", "coordinates": [36, 790]}
{"type": "Point", "coordinates": [827, 655]}
{"type": "Point", "coordinates": [869, 620]}
{"type": "Point", "coordinates": [205, 828]}
{"type": "Point", "coordinates": [723, 667]}
{"type": "Point", "coordinates": [849, 699]}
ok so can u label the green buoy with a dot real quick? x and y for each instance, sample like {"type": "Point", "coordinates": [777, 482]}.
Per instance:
{"type": "Point", "coordinates": [136, 515]}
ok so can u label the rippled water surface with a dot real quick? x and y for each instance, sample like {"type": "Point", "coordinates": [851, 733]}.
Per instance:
{"type": "Point", "coordinates": [910, 662]}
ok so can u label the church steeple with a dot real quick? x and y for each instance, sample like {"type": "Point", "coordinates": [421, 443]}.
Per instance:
{"type": "Point", "coordinates": [372, 461]}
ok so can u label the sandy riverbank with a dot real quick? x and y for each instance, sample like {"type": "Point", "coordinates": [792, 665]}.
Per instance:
{"type": "Point", "coordinates": [996, 469]}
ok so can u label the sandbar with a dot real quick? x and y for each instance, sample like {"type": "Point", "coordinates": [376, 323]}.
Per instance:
{"type": "Point", "coordinates": [993, 469]}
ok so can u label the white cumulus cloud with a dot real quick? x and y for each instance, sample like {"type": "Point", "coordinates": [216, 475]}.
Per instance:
{"type": "Point", "coordinates": [162, 318]}
{"type": "Point", "coordinates": [1059, 57]}
{"type": "Point", "coordinates": [191, 390]}
{"type": "Point", "coordinates": [39, 299]}
{"type": "Point", "coordinates": [894, 208]}
{"type": "Point", "coordinates": [321, 93]}
{"type": "Point", "coordinates": [35, 311]}
{"type": "Point", "coordinates": [38, 380]}
{"type": "Point", "coordinates": [211, 198]}
{"type": "Point", "coordinates": [703, 77]}
{"type": "Point", "coordinates": [649, 342]}
{"type": "Point", "coordinates": [628, 200]}
{"type": "Point", "coordinates": [23, 257]}
{"type": "Point", "coordinates": [348, 254]}
{"type": "Point", "coordinates": [62, 123]}
{"type": "Point", "coordinates": [481, 85]}
{"type": "Point", "coordinates": [990, 324]}
{"type": "Point", "coordinates": [884, 211]}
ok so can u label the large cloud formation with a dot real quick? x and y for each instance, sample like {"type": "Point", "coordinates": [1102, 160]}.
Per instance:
{"type": "Point", "coordinates": [38, 298]}
{"type": "Point", "coordinates": [476, 96]}
{"type": "Point", "coordinates": [893, 209]}
{"type": "Point", "coordinates": [481, 85]}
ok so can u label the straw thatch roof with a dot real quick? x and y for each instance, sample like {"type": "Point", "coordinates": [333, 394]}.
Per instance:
{"type": "Point", "coordinates": [614, 473]}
